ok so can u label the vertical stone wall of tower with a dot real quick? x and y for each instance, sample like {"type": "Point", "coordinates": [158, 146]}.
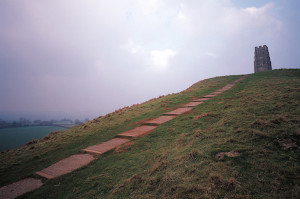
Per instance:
{"type": "Point", "coordinates": [262, 60]}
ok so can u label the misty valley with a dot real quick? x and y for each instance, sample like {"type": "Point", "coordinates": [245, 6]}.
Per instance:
{"type": "Point", "coordinates": [15, 137]}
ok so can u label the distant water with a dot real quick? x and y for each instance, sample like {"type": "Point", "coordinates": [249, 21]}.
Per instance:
{"type": "Point", "coordinates": [15, 137]}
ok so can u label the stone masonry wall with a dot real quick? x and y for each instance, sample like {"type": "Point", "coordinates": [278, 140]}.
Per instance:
{"type": "Point", "coordinates": [262, 60]}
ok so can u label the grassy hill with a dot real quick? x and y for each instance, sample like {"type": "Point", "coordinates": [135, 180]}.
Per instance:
{"type": "Point", "coordinates": [257, 122]}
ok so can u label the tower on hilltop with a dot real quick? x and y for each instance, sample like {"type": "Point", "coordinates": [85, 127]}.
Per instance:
{"type": "Point", "coordinates": [262, 60]}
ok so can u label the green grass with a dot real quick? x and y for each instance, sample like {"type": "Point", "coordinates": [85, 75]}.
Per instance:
{"type": "Point", "coordinates": [16, 137]}
{"type": "Point", "coordinates": [26, 160]}
{"type": "Point", "coordinates": [178, 159]}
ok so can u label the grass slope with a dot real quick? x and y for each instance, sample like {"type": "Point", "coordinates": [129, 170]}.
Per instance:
{"type": "Point", "coordinates": [19, 163]}
{"type": "Point", "coordinates": [178, 160]}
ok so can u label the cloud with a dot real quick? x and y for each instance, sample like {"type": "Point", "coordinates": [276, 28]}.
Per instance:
{"type": "Point", "coordinates": [133, 48]}
{"type": "Point", "coordinates": [161, 58]}
{"type": "Point", "coordinates": [259, 11]}
{"type": "Point", "coordinates": [113, 50]}
{"type": "Point", "coordinates": [210, 54]}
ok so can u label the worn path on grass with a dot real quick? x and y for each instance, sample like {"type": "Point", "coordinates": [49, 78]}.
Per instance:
{"type": "Point", "coordinates": [77, 161]}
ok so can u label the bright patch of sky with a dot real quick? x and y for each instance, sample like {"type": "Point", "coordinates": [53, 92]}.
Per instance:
{"type": "Point", "coordinates": [161, 58]}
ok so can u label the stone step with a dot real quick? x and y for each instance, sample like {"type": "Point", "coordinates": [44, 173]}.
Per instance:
{"type": "Point", "coordinates": [217, 92]}
{"type": "Point", "coordinates": [209, 96]}
{"type": "Point", "coordinates": [66, 165]}
{"type": "Point", "coordinates": [179, 111]}
{"type": "Point", "coordinates": [192, 104]}
{"type": "Point", "coordinates": [201, 99]}
{"type": "Point", "coordinates": [222, 90]}
{"type": "Point", "coordinates": [19, 188]}
{"type": "Point", "coordinates": [160, 120]}
{"type": "Point", "coordinates": [105, 146]}
{"type": "Point", "coordinates": [227, 87]}
{"type": "Point", "coordinates": [137, 132]}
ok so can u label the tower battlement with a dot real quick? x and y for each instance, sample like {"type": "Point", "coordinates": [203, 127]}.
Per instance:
{"type": "Point", "coordinates": [262, 60]}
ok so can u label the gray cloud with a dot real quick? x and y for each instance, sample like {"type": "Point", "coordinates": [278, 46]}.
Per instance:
{"type": "Point", "coordinates": [87, 58]}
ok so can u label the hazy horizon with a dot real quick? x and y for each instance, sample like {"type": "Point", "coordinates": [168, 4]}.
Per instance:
{"type": "Point", "coordinates": [83, 59]}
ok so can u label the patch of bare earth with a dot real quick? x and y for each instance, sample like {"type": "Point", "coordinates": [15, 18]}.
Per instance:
{"type": "Point", "coordinates": [164, 103]}
{"type": "Point", "coordinates": [287, 144]}
{"type": "Point", "coordinates": [124, 147]}
{"type": "Point", "coordinates": [199, 116]}
{"type": "Point", "coordinates": [200, 131]}
{"type": "Point", "coordinates": [219, 181]}
{"type": "Point", "coordinates": [231, 154]}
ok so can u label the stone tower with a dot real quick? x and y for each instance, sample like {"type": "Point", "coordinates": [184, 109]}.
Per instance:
{"type": "Point", "coordinates": [262, 60]}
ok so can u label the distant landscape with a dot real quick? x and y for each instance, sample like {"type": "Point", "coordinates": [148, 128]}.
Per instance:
{"type": "Point", "coordinates": [15, 137]}
{"type": "Point", "coordinates": [14, 134]}
{"type": "Point", "coordinates": [23, 122]}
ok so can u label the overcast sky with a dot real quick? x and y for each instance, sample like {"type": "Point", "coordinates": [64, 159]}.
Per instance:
{"type": "Point", "coordinates": [86, 58]}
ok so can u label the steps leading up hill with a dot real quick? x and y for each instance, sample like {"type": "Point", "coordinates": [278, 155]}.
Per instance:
{"type": "Point", "coordinates": [241, 141]}
{"type": "Point", "coordinates": [74, 162]}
